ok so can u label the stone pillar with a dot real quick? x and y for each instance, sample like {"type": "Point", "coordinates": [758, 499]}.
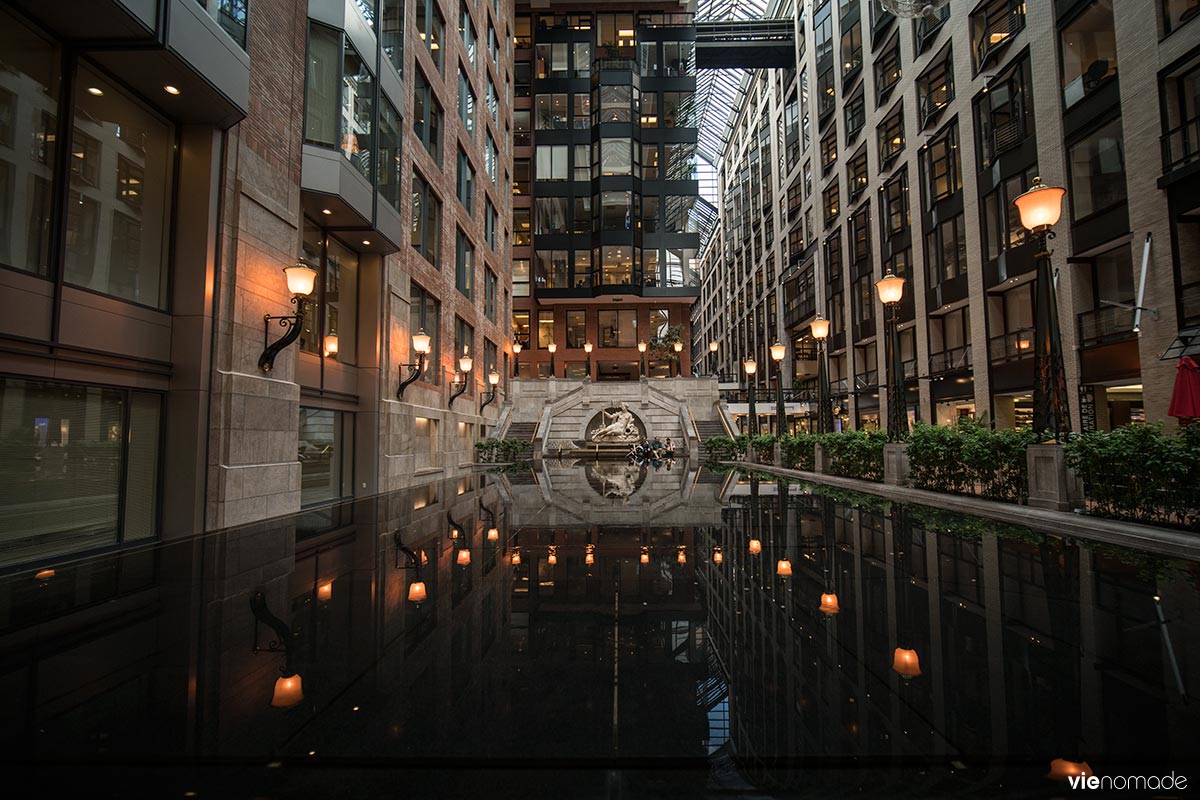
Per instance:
{"type": "Point", "coordinates": [1051, 484]}
{"type": "Point", "coordinates": [779, 455]}
{"type": "Point", "coordinates": [820, 463]}
{"type": "Point", "coordinates": [895, 463]}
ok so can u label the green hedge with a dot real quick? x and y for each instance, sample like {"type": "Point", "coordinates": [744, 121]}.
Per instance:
{"type": "Point", "coordinates": [1139, 473]}
{"type": "Point", "coordinates": [501, 451]}
{"type": "Point", "coordinates": [726, 448]}
{"type": "Point", "coordinates": [855, 454]}
{"type": "Point", "coordinates": [798, 451]}
{"type": "Point", "coordinates": [970, 458]}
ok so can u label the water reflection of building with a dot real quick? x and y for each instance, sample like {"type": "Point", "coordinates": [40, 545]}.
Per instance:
{"type": "Point", "coordinates": [1030, 647]}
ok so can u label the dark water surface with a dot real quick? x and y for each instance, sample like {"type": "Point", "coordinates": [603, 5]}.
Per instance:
{"type": "Point", "coordinates": [152, 672]}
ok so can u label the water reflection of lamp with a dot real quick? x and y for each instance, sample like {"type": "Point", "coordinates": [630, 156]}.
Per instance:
{"type": "Point", "coordinates": [829, 604]}
{"type": "Point", "coordinates": [464, 557]}
{"type": "Point", "coordinates": [589, 554]}
{"type": "Point", "coordinates": [783, 568]}
{"type": "Point", "coordinates": [681, 557]}
{"type": "Point", "coordinates": [493, 533]}
{"type": "Point", "coordinates": [1061, 769]}
{"type": "Point", "coordinates": [552, 554]}
{"type": "Point", "coordinates": [905, 663]}
{"type": "Point", "coordinates": [755, 546]}
{"type": "Point", "coordinates": [43, 574]}
{"type": "Point", "coordinates": [288, 690]}
{"type": "Point", "coordinates": [717, 556]}
{"type": "Point", "coordinates": [516, 557]}
{"type": "Point", "coordinates": [455, 528]}
{"type": "Point", "coordinates": [325, 590]}
{"type": "Point", "coordinates": [645, 556]}
{"type": "Point", "coordinates": [416, 590]}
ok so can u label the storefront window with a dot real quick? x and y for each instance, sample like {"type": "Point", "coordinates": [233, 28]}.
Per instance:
{"type": "Point", "coordinates": [324, 448]}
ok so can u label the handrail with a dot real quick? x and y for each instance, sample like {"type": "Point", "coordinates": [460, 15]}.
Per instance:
{"type": "Point", "coordinates": [1010, 23]}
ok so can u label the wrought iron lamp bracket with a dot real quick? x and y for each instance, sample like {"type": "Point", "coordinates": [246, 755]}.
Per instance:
{"type": "Point", "coordinates": [292, 322]}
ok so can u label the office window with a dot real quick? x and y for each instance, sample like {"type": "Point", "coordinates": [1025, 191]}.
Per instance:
{"type": "Point", "coordinates": [860, 240]}
{"type": "Point", "coordinates": [550, 215]}
{"type": "Point", "coordinates": [331, 322]}
{"type": "Point", "coordinates": [940, 164]}
{"type": "Point", "coordinates": [466, 30]}
{"type": "Point", "coordinates": [581, 168]}
{"type": "Point", "coordinates": [491, 222]}
{"type": "Point", "coordinates": [521, 177]}
{"type": "Point", "coordinates": [946, 251]}
{"type": "Point", "coordinates": [391, 32]}
{"type": "Point", "coordinates": [829, 151]}
{"type": "Point", "coordinates": [425, 313]}
{"type": "Point", "coordinates": [1177, 12]}
{"type": "Point", "coordinates": [1097, 165]}
{"type": "Point", "coordinates": [521, 130]}
{"type": "Point", "coordinates": [551, 270]}
{"type": "Point", "coordinates": [581, 269]}
{"type": "Point", "coordinates": [823, 33]}
{"type": "Point", "coordinates": [576, 328]}
{"type": "Point", "coordinates": [391, 137]}
{"type": "Point", "coordinates": [321, 85]}
{"type": "Point", "coordinates": [357, 110]}
{"type": "Point", "coordinates": [491, 159]}
{"type": "Point", "coordinates": [464, 265]}
{"type": "Point", "coordinates": [426, 220]}
{"type": "Point", "coordinates": [522, 228]}
{"type": "Point", "coordinates": [856, 114]}
{"type": "Point", "coordinates": [895, 203]}
{"type": "Point", "coordinates": [888, 69]}
{"type": "Point", "coordinates": [581, 110]}
{"type": "Point", "coordinates": [552, 60]}
{"type": "Point", "coordinates": [1004, 115]}
{"type": "Point", "coordinates": [493, 101]}
{"type": "Point", "coordinates": [324, 447]}
{"type": "Point", "coordinates": [582, 218]}
{"type": "Point", "coordinates": [545, 328]}
{"type": "Point", "coordinates": [431, 26]}
{"type": "Point", "coordinates": [79, 467]}
{"type": "Point", "coordinates": [427, 117]}
{"type": "Point", "coordinates": [826, 93]}
{"type": "Point", "coordinates": [852, 48]}
{"type": "Point", "coordinates": [466, 104]}
{"type": "Point", "coordinates": [114, 246]}
{"type": "Point", "coordinates": [890, 135]}
{"type": "Point", "coordinates": [616, 157]}
{"type": "Point", "coordinates": [617, 328]}
{"type": "Point", "coordinates": [615, 211]}
{"type": "Point", "coordinates": [465, 183]}
{"type": "Point", "coordinates": [935, 86]}
{"type": "Point", "coordinates": [831, 202]}
{"type": "Point", "coordinates": [552, 162]}
{"type": "Point", "coordinates": [551, 112]}
{"type": "Point", "coordinates": [616, 265]}
{"type": "Point", "coordinates": [582, 58]}
{"type": "Point", "coordinates": [649, 217]}
{"type": "Point", "coordinates": [1001, 223]}
{"type": "Point", "coordinates": [993, 24]}
{"type": "Point", "coordinates": [490, 282]}
{"type": "Point", "coordinates": [1088, 49]}
{"type": "Point", "coordinates": [520, 277]}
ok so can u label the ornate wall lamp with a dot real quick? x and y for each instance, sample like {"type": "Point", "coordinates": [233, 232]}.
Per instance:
{"type": "Point", "coordinates": [417, 592]}
{"type": "Point", "coordinates": [289, 688]}
{"type": "Point", "coordinates": [301, 279]}
{"type": "Point", "coordinates": [490, 396]}
{"type": "Point", "coordinates": [465, 363]}
{"type": "Point", "coordinates": [420, 345]}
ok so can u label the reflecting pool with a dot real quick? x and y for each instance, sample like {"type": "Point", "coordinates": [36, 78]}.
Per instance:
{"type": "Point", "coordinates": [603, 630]}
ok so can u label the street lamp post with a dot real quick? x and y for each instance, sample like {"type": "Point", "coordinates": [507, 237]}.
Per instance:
{"type": "Point", "coordinates": [1039, 209]}
{"type": "Point", "coordinates": [587, 350]}
{"type": "Point", "coordinates": [642, 350]}
{"type": "Point", "coordinates": [820, 332]}
{"type": "Point", "coordinates": [778, 352]}
{"type": "Point", "coordinates": [891, 288]}
{"type": "Point", "coordinates": [678, 362]}
{"type": "Point", "coordinates": [712, 356]}
{"type": "Point", "coordinates": [750, 366]}
{"type": "Point", "coordinates": [516, 358]}
{"type": "Point", "coordinates": [552, 348]}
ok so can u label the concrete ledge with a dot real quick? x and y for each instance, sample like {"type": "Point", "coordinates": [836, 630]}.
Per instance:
{"type": "Point", "coordinates": [1151, 539]}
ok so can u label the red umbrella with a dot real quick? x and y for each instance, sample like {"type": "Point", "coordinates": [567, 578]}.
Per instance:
{"type": "Point", "coordinates": [1185, 399]}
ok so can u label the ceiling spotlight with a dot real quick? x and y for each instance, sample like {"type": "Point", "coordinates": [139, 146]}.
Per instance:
{"type": "Point", "coordinates": [169, 89]}
{"type": "Point", "coordinates": [326, 211]}
{"type": "Point", "coordinates": [367, 242]}
{"type": "Point", "coordinates": [95, 91]}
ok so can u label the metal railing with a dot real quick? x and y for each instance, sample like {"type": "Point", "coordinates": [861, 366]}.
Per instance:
{"type": "Point", "coordinates": [759, 30]}
{"type": "Point", "coordinates": [1105, 324]}
{"type": "Point", "coordinates": [1181, 145]}
{"type": "Point", "coordinates": [1011, 346]}
{"type": "Point", "coordinates": [865, 381]}
{"type": "Point", "coordinates": [950, 360]}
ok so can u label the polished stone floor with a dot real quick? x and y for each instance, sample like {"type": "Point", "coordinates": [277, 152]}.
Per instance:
{"type": "Point", "coordinates": [616, 631]}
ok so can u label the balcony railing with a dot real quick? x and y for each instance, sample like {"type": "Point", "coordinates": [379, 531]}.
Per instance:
{"type": "Point", "coordinates": [950, 360]}
{"type": "Point", "coordinates": [1011, 346]}
{"type": "Point", "coordinates": [934, 101]}
{"type": "Point", "coordinates": [1105, 324]}
{"type": "Point", "coordinates": [1181, 146]}
{"type": "Point", "coordinates": [928, 27]}
{"type": "Point", "coordinates": [866, 381]}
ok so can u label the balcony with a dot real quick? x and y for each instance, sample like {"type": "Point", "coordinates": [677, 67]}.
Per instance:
{"type": "Point", "coordinates": [950, 360]}
{"type": "Point", "coordinates": [1011, 346]}
{"type": "Point", "coordinates": [746, 44]}
{"type": "Point", "coordinates": [933, 101]}
{"type": "Point", "coordinates": [1181, 146]}
{"type": "Point", "coordinates": [1104, 325]}
{"type": "Point", "coordinates": [866, 381]}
